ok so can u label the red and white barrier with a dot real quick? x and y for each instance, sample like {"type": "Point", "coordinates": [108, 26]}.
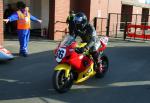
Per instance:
{"type": "Point", "coordinates": [132, 31]}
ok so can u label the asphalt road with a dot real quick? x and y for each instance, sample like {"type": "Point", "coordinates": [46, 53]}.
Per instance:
{"type": "Point", "coordinates": [29, 80]}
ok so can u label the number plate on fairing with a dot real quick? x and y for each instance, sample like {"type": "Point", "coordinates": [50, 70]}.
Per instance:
{"type": "Point", "coordinates": [60, 54]}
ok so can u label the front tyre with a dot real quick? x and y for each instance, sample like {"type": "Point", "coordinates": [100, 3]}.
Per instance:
{"type": "Point", "coordinates": [103, 67]}
{"type": "Point", "coordinates": [60, 83]}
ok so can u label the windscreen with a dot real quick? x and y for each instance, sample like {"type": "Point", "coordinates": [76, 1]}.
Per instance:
{"type": "Point", "coordinates": [67, 40]}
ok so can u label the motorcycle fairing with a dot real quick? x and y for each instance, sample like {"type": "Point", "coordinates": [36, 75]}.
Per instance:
{"type": "Point", "coordinates": [86, 74]}
{"type": "Point", "coordinates": [65, 67]}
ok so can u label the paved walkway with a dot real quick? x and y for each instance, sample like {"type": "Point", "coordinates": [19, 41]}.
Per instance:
{"type": "Point", "coordinates": [38, 44]}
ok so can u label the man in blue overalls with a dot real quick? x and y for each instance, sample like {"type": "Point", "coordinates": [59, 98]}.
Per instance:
{"type": "Point", "coordinates": [23, 18]}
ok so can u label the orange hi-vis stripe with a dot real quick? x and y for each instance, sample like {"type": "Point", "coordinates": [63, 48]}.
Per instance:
{"type": "Point", "coordinates": [24, 21]}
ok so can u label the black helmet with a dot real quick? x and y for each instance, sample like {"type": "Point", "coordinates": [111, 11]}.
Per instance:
{"type": "Point", "coordinates": [80, 20]}
{"type": "Point", "coordinates": [20, 5]}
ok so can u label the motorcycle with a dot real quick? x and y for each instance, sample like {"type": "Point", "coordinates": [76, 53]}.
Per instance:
{"type": "Point", "coordinates": [76, 68]}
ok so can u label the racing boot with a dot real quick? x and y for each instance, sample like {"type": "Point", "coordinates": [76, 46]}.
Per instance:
{"type": "Point", "coordinates": [99, 66]}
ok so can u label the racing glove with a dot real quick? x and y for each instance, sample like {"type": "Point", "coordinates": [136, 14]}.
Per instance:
{"type": "Point", "coordinates": [80, 50]}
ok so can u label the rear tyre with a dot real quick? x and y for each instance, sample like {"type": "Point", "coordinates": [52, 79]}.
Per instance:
{"type": "Point", "coordinates": [100, 73]}
{"type": "Point", "coordinates": [60, 83]}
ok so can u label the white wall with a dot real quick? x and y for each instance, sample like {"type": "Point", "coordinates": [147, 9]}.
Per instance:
{"type": "Point", "coordinates": [35, 8]}
{"type": "Point", "coordinates": [45, 13]}
{"type": "Point", "coordinates": [40, 9]}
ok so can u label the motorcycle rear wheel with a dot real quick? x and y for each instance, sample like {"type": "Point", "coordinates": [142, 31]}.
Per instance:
{"type": "Point", "coordinates": [60, 83]}
{"type": "Point", "coordinates": [105, 65]}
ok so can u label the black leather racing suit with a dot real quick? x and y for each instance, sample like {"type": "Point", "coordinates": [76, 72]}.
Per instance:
{"type": "Point", "coordinates": [88, 35]}
{"type": "Point", "coordinates": [70, 22]}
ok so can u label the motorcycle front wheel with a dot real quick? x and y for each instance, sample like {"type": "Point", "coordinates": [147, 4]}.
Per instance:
{"type": "Point", "coordinates": [60, 83]}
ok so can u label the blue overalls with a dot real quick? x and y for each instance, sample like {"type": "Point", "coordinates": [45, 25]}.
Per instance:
{"type": "Point", "coordinates": [23, 34]}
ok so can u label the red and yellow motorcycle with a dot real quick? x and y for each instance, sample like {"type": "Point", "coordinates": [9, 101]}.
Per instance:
{"type": "Point", "coordinates": [76, 68]}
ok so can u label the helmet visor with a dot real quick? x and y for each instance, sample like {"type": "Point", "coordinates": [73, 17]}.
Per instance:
{"type": "Point", "coordinates": [78, 20]}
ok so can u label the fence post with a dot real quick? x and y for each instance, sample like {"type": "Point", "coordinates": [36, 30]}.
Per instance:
{"type": "Point", "coordinates": [116, 27]}
{"type": "Point", "coordinates": [95, 22]}
{"type": "Point", "coordinates": [108, 25]}
{"type": "Point", "coordinates": [144, 29]}
{"type": "Point", "coordinates": [125, 29]}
